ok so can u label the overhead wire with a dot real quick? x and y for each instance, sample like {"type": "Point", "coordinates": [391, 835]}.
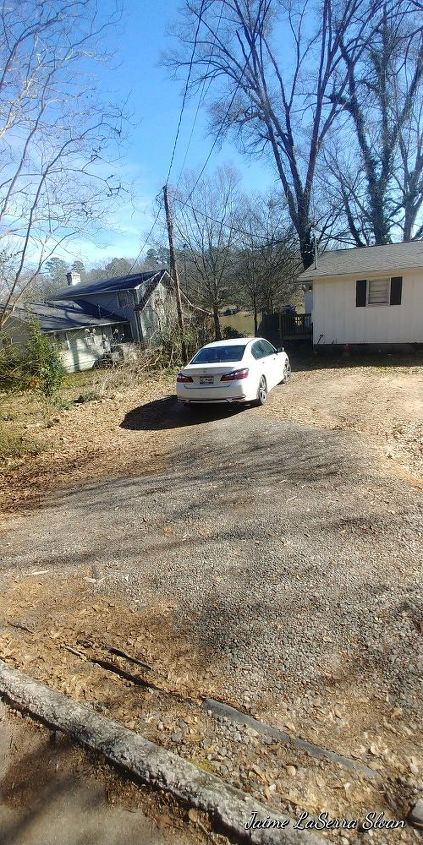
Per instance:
{"type": "Point", "coordinates": [186, 202]}
{"type": "Point", "coordinates": [203, 93]}
{"type": "Point", "coordinates": [155, 221]}
{"type": "Point", "coordinates": [220, 129]}
{"type": "Point", "coordinates": [185, 94]}
{"type": "Point", "coordinates": [178, 129]}
{"type": "Point", "coordinates": [228, 225]}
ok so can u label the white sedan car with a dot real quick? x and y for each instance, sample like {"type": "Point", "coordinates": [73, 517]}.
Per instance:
{"type": "Point", "coordinates": [241, 370]}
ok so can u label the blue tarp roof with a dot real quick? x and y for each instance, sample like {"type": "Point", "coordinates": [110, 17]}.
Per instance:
{"type": "Point", "coordinates": [61, 315]}
{"type": "Point", "coordinates": [134, 280]}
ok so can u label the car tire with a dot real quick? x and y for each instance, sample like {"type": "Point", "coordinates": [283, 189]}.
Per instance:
{"type": "Point", "coordinates": [286, 373]}
{"type": "Point", "coordinates": [261, 392]}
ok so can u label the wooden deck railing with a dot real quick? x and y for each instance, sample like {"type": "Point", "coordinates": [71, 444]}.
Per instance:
{"type": "Point", "coordinates": [279, 327]}
{"type": "Point", "coordinates": [294, 325]}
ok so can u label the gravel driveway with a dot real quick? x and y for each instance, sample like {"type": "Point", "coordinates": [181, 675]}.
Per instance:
{"type": "Point", "coordinates": [283, 560]}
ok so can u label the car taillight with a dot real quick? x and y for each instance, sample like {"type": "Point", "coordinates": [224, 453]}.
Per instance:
{"type": "Point", "coordinates": [236, 375]}
{"type": "Point", "coordinates": [181, 378]}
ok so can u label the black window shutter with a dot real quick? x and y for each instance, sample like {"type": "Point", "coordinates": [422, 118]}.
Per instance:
{"type": "Point", "coordinates": [396, 290]}
{"type": "Point", "coordinates": [360, 292]}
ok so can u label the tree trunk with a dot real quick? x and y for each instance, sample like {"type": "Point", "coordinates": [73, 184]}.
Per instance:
{"type": "Point", "coordinates": [255, 315]}
{"type": "Point", "coordinates": [306, 246]}
{"type": "Point", "coordinates": [217, 330]}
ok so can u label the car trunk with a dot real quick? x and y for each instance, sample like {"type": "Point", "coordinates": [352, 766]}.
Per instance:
{"type": "Point", "coordinates": [205, 374]}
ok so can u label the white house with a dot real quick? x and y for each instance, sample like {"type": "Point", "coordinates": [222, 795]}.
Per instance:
{"type": "Point", "coordinates": [369, 296]}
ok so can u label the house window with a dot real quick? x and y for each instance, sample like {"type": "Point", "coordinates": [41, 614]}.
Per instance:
{"type": "Point", "coordinates": [378, 292]}
{"type": "Point", "coordinates": [385, 291]}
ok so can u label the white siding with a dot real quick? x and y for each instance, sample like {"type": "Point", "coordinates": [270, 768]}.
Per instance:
{"type": "Point", "coordinates": [337, 320]}
{"type": "Point", "coordinates": [160, 306]}
{"type": "Point", "coordinates": [308, 301]}
{"type": "Point", "coordinates": [80, 349]}
{"type": "Point", "coordinates": [16, 330]}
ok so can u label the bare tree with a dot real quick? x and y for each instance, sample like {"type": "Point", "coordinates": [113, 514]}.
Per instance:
{"type": "Point", "coordinates": [55, 136]}
{"type": "Point", "coordinates": [279, 76]}
{"type": "Point", "coordinates": [267, 260]}
{"type": "Point", "coordinates": [204, 226]}
{"type": "Point", "coordinates": [379, 181]}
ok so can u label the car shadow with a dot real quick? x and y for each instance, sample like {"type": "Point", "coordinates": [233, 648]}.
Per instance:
{"type": "Point", "coordinates": [167, 413]}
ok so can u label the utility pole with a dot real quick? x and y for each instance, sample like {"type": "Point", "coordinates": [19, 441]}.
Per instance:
{"type": "Point", "coordinates": [174, 273]}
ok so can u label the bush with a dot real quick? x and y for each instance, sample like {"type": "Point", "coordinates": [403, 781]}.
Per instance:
{"type": "Point", "coordinates": [35, 366]}
{"type": "Point", "coordinates": [230, 333]}
{"type": "Point", "coordinates": [168, 352]}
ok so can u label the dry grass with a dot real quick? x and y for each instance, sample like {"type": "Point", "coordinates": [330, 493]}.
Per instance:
{"type": "Point", "coordinates": [43, 446]}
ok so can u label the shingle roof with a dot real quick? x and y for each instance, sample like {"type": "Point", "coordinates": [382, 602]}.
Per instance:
{"type": "Point", "coordinates": [61, 315]}
{"type": "Point", "coordinates": [369, 259]}
{"type": "Point", "coordinates": [134, 280]}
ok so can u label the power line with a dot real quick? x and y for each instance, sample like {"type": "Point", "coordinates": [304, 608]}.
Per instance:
{"type": "Point", "coordinates": [217, 136]}
{"type": "Point", "coordinates": [188, 79]}
{"type": "Point", "coordinates": [203, 92]}
{"type": "Point", "coordinates": [228, 225]}
{"type": "Point", "coordinates": [220, 129]}
{"type": "Point", "coordinates": [155, 221]}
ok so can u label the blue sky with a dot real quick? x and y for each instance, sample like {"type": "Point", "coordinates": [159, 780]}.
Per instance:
{"type": "Point", "coordinates": [154, 102]}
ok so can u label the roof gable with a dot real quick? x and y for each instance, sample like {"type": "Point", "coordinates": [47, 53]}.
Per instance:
{"type": "Point", "coordinates": [362, 260]}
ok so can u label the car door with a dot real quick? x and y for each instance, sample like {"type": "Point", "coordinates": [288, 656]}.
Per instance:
{"type": "Point", "coordinates": [273, 363]}
{"type": "Point", "coordinates": [265, 366]}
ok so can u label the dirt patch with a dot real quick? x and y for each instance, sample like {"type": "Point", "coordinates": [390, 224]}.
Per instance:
{"type": "Point", "coordinates": [268, 557]}
{"type": "Point", "coordinates": [134, 430]}
{"type": "Point", "coordinates": [80, 443]}
{"type": "Point", "coordinates": [383, 403]}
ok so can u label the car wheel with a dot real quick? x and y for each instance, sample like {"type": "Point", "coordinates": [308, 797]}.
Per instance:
{"type": "Point", "coordinates": [286, 372]}
{"type": "Point", "coordinates": [262, 392]}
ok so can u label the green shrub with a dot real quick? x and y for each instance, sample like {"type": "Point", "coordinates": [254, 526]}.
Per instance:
{"type": "Point", "coordinates": [35, 366]}
{"type": "Point", "coordinates": [168, 352]}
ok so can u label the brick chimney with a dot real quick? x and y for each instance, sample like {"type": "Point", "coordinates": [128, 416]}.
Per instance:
{"type": "Point", "coordinates": [73, 278]}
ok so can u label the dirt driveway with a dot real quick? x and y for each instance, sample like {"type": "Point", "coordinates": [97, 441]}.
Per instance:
{"type": "Point", "coordinates": [269, 558]}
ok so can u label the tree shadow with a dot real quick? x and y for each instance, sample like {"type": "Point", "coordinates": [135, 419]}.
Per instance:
{"type": "Point", "coordinates": [49, 794]}
{"type": "Point", "coordinates": [168, 413]}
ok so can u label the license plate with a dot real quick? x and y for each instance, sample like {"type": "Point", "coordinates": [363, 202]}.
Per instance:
{"type": "Point", "coordinates": [206, 379]}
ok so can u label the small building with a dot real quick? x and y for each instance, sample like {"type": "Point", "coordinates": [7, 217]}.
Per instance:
{"type": "Point", "coordinates": [141, 299]}
{"type": "Point", "coordinates": [369, 296]}
{"type": "Point", "coordinates": [89, 320]}
{"type": "Point", "coordinates": [83, 337]}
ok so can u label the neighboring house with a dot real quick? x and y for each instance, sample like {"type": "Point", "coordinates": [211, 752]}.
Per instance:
{"type": "Point", "coordinates": [82, 336]}
{"type": "Point", "coordinates": [142, 299]}
{"type": "Point", "coordinates": [370, 296]}
{"type": "Point", "coordinates": [87, 320]}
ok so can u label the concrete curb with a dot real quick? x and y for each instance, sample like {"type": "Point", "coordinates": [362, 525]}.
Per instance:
{"type": "Point", "coordinates": [229, 808]}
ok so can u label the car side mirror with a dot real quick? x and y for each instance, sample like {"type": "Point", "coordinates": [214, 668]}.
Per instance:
{"type": "Point", "coordinates": [280, 349]}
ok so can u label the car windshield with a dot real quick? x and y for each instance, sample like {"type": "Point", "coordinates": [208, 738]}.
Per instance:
{"type": "Point", "coordinates": [218, 354]}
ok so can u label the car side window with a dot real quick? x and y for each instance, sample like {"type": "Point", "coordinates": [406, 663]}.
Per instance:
{"type": "Point", "coordinates": [262, 348]}
{"type": "Point", "coordinates": [268, 348]}
{"type": "Point", "coordinates": [257, 350]}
